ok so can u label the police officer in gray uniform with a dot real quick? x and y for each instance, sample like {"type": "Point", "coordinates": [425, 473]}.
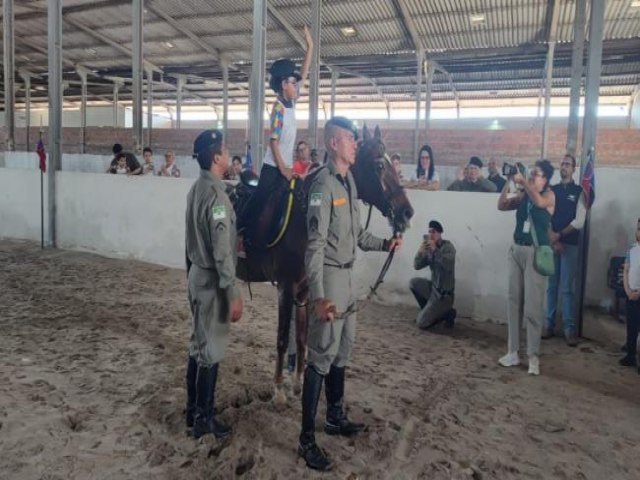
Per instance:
{"type": "Point", "coordinates": [435, 297]}
{"type": "Point", "coordinates": [334, 230]}
{"type": "Point", "coordinates": [214, 299]}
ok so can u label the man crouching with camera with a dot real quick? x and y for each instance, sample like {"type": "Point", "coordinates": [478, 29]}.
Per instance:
{"type": "Point", "coordinates": [435, 297]}
{"type": "Point", "coordinates": [534, 204]}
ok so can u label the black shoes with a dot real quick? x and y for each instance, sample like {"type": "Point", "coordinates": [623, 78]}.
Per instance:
{"type": "Point", "coordinates": [337, 422]}
{"type": "Point", "coordinates": [628, 361]}
{"type": "Point", "coordinates": [450, 318]}
{"type": "Point", "coordinates": [192, 372]}
{"type": "Point", "coordinates": [204, 421]}
{"type": "Point", "coordinates": [314, 456]}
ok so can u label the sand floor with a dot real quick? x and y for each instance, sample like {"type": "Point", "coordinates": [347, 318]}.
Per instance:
{"type": "Point", "coordinates": [92, 359]}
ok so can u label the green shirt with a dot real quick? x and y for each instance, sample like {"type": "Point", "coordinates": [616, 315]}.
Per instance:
{"type": "Point", "coordinates": [540, 220]}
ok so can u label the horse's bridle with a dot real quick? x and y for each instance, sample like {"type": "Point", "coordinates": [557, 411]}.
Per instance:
{"type": "Point", "coordinates": [388, 195]}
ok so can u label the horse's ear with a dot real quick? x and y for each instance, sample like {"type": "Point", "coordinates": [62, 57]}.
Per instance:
{"type": "Point", "coordinates": [366, 135]}
{"type": "Point", "coordinates": [376, 133]}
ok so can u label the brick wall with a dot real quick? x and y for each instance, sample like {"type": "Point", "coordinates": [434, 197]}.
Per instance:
{"type": "Point", "coordinates": [615, 146]}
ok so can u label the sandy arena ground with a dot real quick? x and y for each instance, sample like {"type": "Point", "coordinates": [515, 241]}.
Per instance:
{"type": "Point", "coordinates": [92, 357]}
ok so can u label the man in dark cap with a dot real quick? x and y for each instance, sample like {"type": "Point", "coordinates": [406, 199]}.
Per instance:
{"type": "Point", "coordinates": [214, 299]}
{"type": "Point", "coordinates": [333, 224]}
{"type": "Point", "coordinates": [435, 297]}
{"type": "Point", "coordinates": [473, 180]}
{"type": "Point", "coordinates": [278, 161]}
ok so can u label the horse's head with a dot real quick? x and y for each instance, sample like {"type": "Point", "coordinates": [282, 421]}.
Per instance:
{"type": "Point", "coordinates": [378, 183]}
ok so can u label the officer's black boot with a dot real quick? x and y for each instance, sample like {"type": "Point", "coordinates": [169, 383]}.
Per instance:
{"type": "Point", "coordinates": [204, 421]}
{"type": "Point", "coordinates": [192, 372]}
{"type": "Point", "coordinates": [337, 422]}
{"type": "Point", "coordinates": [313, 455]}
{"type": "Point", "coordinates": [450, 318]}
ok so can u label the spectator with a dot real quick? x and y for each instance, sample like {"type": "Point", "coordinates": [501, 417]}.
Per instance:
{"type": "Point", "coordinates": [302, 160]}
{"type": "Point", "coordinates": [132, 162]}
{"type": "Point", "coordinates": [494, 174]}
{"type": "Point", "coordinates": [566, 222]}
{"type": "Point", "coordinates": [314, 159]}
{"type": "Point", "coordinates": [148, 168]}
{"type": "Point", "coordinates": [120, 166]}
{"type": "Point", "coordinates": [426, 172]}
{"type": "Point", "coordinates": [397, 165]}
{"type": "Point", "coordinates": [631, 281]}
{"type": "Point", "coordinates": [473, 181]}
{"type": "Point", "coordinates": [534, 207]}
{"type": "Point", "coordinates": [169, 167]}
{"type": "Point", "coordinates": [236, 163]}
{"type": "Point", "coordinates": [435, 297]}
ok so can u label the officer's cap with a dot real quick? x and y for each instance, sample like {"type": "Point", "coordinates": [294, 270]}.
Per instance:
{"type": "Point", "coordinates": [344, 122]}
{"type": "Point", "coordinates": [437, 226]}
{"type": "Point", "coordinates": [205, 140]}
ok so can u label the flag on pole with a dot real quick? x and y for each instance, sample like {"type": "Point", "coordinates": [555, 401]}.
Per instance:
{"type": "Point", "coordinates": [42, 155]}
{"type": "Point", "coordinates": [588, 181]}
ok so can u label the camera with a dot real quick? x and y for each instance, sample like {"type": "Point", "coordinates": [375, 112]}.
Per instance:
{"type": "Point", "coordinates": [509, 170]}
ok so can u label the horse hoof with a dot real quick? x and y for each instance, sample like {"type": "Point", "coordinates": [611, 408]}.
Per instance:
{"type": "Point", "coordinates": [279, 396]}
{"type": "Point", "coordinates": [296, 387]}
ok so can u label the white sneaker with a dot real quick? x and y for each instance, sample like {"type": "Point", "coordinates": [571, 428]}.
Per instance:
{"type": "Point", "coordinates": [534, 365]}
{"type": "Point", "coordinates": [510, 360]}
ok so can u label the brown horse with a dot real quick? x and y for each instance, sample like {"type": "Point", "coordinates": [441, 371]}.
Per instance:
{"type": "Point", "coordinates": [378, 184]}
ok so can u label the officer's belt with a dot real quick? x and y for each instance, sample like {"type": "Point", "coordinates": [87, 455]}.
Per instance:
{"type": "Point", "coordinates": [344, 266]}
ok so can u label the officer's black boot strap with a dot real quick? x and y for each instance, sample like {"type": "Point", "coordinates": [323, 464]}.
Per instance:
{"type": "Point", "coordinates": [192, 372]}
{"type": "Point", "coordinates": [337, 422]}
{"type": "Point", "coordinates": [204, 421]}
{"type": "Point", "coordinates": [313, 455]}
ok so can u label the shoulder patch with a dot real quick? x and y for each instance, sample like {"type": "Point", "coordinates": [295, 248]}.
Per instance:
{"type": "Point", "coordinates": [315, 199]}
{"type": "Point", "coordinates": [219, 212]}
{"type": "Point", "coordinates": [338, 202]}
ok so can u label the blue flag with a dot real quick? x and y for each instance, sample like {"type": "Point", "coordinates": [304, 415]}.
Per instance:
{"type": "Point", "coordinates": [588, 181]}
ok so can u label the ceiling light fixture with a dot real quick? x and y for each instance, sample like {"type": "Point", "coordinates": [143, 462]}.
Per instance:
{"type": "Point", "coordinates": [477, 19]}
{"type": "Point", "coordinates": [348, 31]}
{"type": "Point", "coordinates": [91, 51]}
{"type": "Point", "coordinates": [168, 45]}
{"type": "Point", "coordinates": [25, 58]}
{"type": "Point", "coordinates": [635, 4]}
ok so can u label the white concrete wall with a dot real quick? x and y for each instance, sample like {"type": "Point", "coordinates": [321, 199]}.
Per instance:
{"type": "Point", "coordinates": [20, 204]}
{"type": "Point", "coordinates": [143, 218]}
{"type": "Point", "coordinates": [76, 162]}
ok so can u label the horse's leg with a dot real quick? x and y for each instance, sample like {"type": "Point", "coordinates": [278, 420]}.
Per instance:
{"type": "Point", "coordinates": [302, 297]}
{"type": "Point", "coordinates": [285, 312]}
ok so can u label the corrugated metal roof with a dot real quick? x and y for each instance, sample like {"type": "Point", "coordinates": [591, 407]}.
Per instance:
{"type": "Point", "coordinates": [505, 54]}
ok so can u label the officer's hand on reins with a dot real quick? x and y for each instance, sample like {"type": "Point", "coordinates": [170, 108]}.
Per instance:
{"type": "Point", "coordinates": [324, 309]}
{"type": "Point", "coordinates": [394, 242]}
{"type": "Point", "coordinates": [235, 309]}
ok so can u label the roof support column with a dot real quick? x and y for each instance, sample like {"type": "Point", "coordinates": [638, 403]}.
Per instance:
{"type": "Point", "coordinates": [138, 72]}
{"type": "Point", "coordinates": [82, 73]}
{"type": "Point", "coordinates": [547, 98]}
{"type": "Point", "coordinates": [225, 100]}
{"type": "Point", "coordinates": [314, 84]}
{"type": "Point", "coordinates": [427, 101]}
{"type": "Point", "coordinates": [149, 105]}
{"type": "Point", "coordinates": [180, 87]}
{"type": "Point", "coordinates": [577, 58]}
{"type": "Point", "coordinates": [553, 29]}
{"type": "Point", "coordinates": [258, 65]}
{"type": "Point", "coordinates": [416, 133]}
{"type": "Point", "coordinates": [26, 78]}
{"type": "Point", "coordinates": [589, 131]}
{"type": "Point", "coordinates": [9, 74]}
{"type": "Point", "coordinates": [334, 81]}
{"type": "Point", "coordinates": [116, 87]}
{"type": "Point", "coordinates": [55, 112]}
